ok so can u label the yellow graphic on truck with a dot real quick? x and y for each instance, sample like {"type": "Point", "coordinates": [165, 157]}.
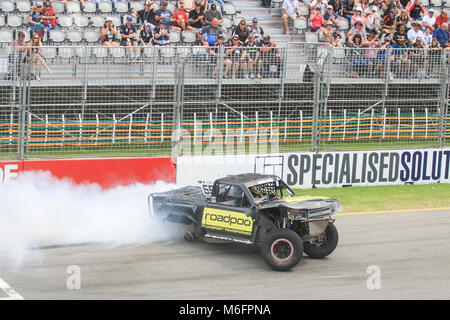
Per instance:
{"type": "Point", "coordinates": [302, 198]}
{"type": "Point", "coordinates": [228, 221]}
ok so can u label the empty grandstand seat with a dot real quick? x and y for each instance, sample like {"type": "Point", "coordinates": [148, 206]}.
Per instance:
{"type": "Point", "coordinates": [105, 7]}
{"type": "Point", "coordinates": [82, 52]}
{"type": "Point", "coordinates": [6, 36]}
{"type": "Point", "coordinates": [276, 3]}
{"type": "Point", "coordinates": [49, 52]}
{"type": "Point", "coordinates": [73, 7]}
{"type": "Point", "coordinates": [58, 6]}
{"type": "Point", "coordinates": [100, 52]}
{"type": "Point", "coordinates": [189, 36]}
{"type": "Point", "coordinates": [8, 6]}
{"type": "Point", "coordinates": [338, 54]}
{"type": "Point", "coordinates": [65, 52]}
{"type": "Point", "coordinates": [167, 52]}
{"type": "Point", "coordinates": [137, 6]}
{"type": "Point", "coordinates": [304, 10]}
{"type": "Point", "coordinates": [425, 3]}
{"type": "Point", "coordinates": [149, 51]}
{"type": "Point", "coordinates": [227, 23]}
{"type": "Point", "coordinates": [80, 21]}
{"type": "Point", "coordinates": [343, 23]}
{"type": "Point", "coordinates": [57, 36]}
{"type": "Point", "coordinates": [2, 21]}
{"type": "Point", "coordinates": [171, 7]}
{"type": "Point", "coordinates": [74, 36]}
{"type": "Point", "coordinates": [23, 6]}
{"type": "Point", "coordinates": [311, 37]}
{"type": "Point", "coordinates": [116, 21]}
{"type": "Point", "coordinates": [300, 25]}
{"type": "Point", "coordinates": [14, 20]}
{"type": "Point", "coordinates": [446, 3]}
{"type": "Point", "coordinates": [229, 10]}
{"type": "Point", "coordinates": [121, 6]}
{"type": "Point", "coordinates": [91, 36]}
{"type": "Point", "coordinates": [97, 21]}
{"type": "Point", "coordinates": [183, 51]}
{"type": "Point", "coordinates": [89, 7]}
{"type": "Point", "coordinates": [436, 3]}
{"type": "Point", "coordinates": [175, 37]}
{"type": "Point", "coordinates": [65, 21]}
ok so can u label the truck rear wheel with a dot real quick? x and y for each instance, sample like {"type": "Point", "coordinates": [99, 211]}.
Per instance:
{"type": "Point", "coordinates": [282, 249]}
{"type": "Point", "coordinates": [324, 246]}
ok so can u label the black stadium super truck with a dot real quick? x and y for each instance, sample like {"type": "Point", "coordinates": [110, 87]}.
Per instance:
{"type": "Point", "coordinates": [254, 209]}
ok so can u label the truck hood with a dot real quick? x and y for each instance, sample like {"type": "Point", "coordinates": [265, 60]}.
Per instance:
{"type": "Point", "coordinates": [307, 203]}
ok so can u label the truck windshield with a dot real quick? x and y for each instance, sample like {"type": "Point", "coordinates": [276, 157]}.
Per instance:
{"type": "Point", "coordinates": [273, 190]}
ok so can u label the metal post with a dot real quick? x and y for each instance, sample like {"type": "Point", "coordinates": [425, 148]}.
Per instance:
{"type": "Point", "coordinates": [317, 81]}
{"type": "Point", "coordinates": [442, 101]}
{"type": "Point", "coordinates": [178, 108]}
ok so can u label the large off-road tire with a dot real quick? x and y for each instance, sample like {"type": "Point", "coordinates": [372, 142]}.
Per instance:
{"type": "Point", "coordinates": [325, 246]}
{"type": "Point", "coordinates": [282, 249]}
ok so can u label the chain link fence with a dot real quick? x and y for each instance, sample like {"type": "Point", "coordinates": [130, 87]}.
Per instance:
{"type": "Point", "coordinates": [70, 101]}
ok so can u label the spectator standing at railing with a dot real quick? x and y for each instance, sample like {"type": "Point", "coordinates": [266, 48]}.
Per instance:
{"type": "Point", "coordinates": [148, 14]}
{"type": "Point", "coordinates": [429, 20]}
{"type": "Point", "coordinates": [400, 59]}
{"type": "Point", "coordinates": [415, 32]}
{"type": "Point", "coordinates": [109, 34]}
{"type": "Point", "coordinates": [21, 54]}
{"type": "Point", "coordinates": [242, 31]}
{"type": "Point", "coordinates": [442, 18]}
{"type": "Point", "coordinates": [371, 53]}
{"type": "Point", "coordinates": [419, 63]}
{"type": "Point", "coordinates": [129, 33]}
{"type": "Point", "coordinates": [252, 56]}
{"type": "Point", "coordinates": [35, 21]}
{"type": "Point", "coordinates": [35, 47]}
{"type": "Point", "coordinates": [256, 30]}
{"type": "Point", "coordinates": [214, 52]}
{"type": "Point", "coordinates": [49, 18]}
{"type": "Point", "coordinates": [163, 15]}
{"type": "Point", "coordinates": [441, 34]}
{"type": "Point", "coordinates": [291, 10]}
{"type": "Point", "coordinates": [213, 13]}
{"type": "Point", "coordinates": [356, 55]}
{"type": "Point", "coordinates": [434, 55]}
{"type": "Point", "coordinates": [161, 35]}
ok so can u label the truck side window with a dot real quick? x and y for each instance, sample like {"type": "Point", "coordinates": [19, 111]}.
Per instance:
{"type": "Point", "coordinates": [230, 195]}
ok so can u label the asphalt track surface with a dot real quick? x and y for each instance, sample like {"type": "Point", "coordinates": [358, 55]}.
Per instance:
{"type": "Point", "coordinates": [411, 249]}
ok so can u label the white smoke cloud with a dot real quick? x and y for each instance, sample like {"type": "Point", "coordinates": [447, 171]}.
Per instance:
{"type": "Point", "coordinates": [39, 210]}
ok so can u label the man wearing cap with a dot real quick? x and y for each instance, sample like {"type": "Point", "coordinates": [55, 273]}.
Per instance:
{"type": "Point", "coordinates": [209, 33]}
{"type": "Point", "coordinates": [357, 29]}
{"type": "Point", "coordinates": [388, 23]}
{"type": "Point", "coordinates": [290, 11]}
{"type": "Point", "coordinates": [429, 20]}
{"type": "Point", "coordinates": [148, 13]}
{"type": "Point", "coordinates": [256, 30]}
{"type": "Point", "coordinates": [336, 5]}
{"type": "Point", "coordinates": [214, 52]}
{"type": "Point", "coordinates": [109, 34]}
{"type": "Point", "coordinates": [146, 35]}
{"type": "Point", "coordinates": [415, 32]}
{"type": "Point", "coordinates": [440, 19]}
{"type": "Point", "coordinates": [400, 34]}
{"type": "Point", "coordinates": [269, 57]}
{"type": "Point", "coordinates": [213, 13]}
{"type": "Point", "coordinates": [237, 54]}
{"type": "Point", "coordinates": [163, 15]}
{"type": "Point", "coordinates": [128, 33]}
{"type": "Point", "coordinates": [330, 16]}
{"type": "Point", "coordinates": [416, 11]}
{"type": "Point", "coordinates": [49, 18]}
{"type": "Point", "coordinates": [252, 56]}
{"type": "Point", "coordinates": [161, 34]}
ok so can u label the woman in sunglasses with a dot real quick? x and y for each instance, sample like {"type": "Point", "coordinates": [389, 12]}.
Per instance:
{"type": "Point", "coordinates": [35, 46]}
{"type": "Point", "coordinates": [242, 31]}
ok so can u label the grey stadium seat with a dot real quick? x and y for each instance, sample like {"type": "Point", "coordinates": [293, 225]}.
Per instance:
{"type": "Point", "coordinates": [8, 6]}
{"type": "Point", "coordinates": [65, 21]}
{"type": "Point", "coordinates": [57, 36]}
{"type": "Point", "coordinates": [189, 36]}
{"type": "Point", "coordinates": [73, 7]}
{"type": "Point", "coordinates": [89, 7]}
{"type": "Point", "coordinates": [100, 52]}
{"type": "Point", "coordinates": [116, 21]}
{"type": "Point", "coordinates": [6, 36]}
{"type": "Point", "coordinates": [117, 52]}
{"type": "Point", "coordinates": [121, 6]}
{"type": "Point", "coordinates": [82, 52]}
{"type": "Point", "coordinates": [167, 52]}
{"type": "Point", "coordinates": [137, 6]}
{"type": "Point", "coordinates": [23, 6]}
{"type": "Point", "coordinates": [436, 3]}
{"type": "Point", "coordinates": [175, 37]}
{"type": "Point", "coordinates": [304, 10]}
{"type": "Point", "coordinates": [343, 24]}
{"type": "Point", "coordinates": [229, 9]}
{"type": "Point", "coordinates": [105, 7]}
{"type": "Point", "coordinates": [74, 36]}
{"type": "Point", "coordinates": [149, 51]}
{"type": "Point", "coordinates": [58, 6]}
{"type": "Point", "coordinates": [91, 36]}
{"type": "Point", "coordinates": [97, 21]}
{"type": "Point", "coordinates": [227, 23]}
{"type": "Point", "coordinates": [311, 37]}
{"type": "Point", "coordinates": [65, 52]}
{"type": "Point", "coordinates": [183, 51]}
{"type": "Point", "coordinates": [2, 21]}
{"type": "Point", "coordinates": [300, 25]}
{"type": "Point", "coordinates": [49, 52]}
{"type": "Point", "coordinates": [80, 21]}
{"type": "Point", "coordinates": [14, 20]}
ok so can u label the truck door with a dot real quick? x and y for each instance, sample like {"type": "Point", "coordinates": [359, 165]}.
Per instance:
{"type": "Point", "coordinates": [230, 214]}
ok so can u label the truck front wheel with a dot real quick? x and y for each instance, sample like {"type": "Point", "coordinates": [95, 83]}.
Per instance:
{"type": "Point", "coordinates": [282, 249]}
{"type": "Point", "coordinates": [324, 245]}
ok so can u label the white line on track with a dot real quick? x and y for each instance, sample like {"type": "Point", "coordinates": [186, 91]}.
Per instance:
{"type": "Point", "coordinates": [12, 294]}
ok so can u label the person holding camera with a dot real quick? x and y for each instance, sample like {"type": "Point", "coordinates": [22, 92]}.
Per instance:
{"type": "Point", "coordinates": [162, 35]}
{"type": "Point", "coordinates": [109, 34]}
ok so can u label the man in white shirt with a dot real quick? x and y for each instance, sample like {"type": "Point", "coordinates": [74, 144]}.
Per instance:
{"type": "Point", "coordinates": [415, 32]}
{"type": "Point", "coordinates": [429, 20]}
{"type": "Point", "coordinates": [290, 11]}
